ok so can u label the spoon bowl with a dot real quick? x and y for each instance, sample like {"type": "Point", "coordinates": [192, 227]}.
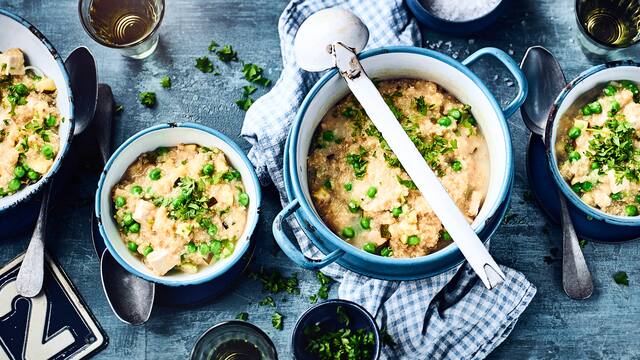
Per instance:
{"type": "Point", "coordinates": [83, 74]}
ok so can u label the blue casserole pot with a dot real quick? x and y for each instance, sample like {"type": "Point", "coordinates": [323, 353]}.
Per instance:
{"type": "Point", "coordinates": [577, 93]}
{"type": "Point", "coordinates": [390, 63]}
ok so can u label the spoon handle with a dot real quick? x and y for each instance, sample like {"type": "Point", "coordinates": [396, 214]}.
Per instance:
{"type": "Point", "coordinates": [31, 273]}
{"type": "Point", "coordinates": [576, 278]}
{"type": "Point", "coordinates": [414, 164]}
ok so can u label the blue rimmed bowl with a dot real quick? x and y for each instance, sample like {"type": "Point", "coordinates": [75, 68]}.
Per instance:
{"type": "Point", "coordinates": [18, 33]}
{"type": "Point", "coordinates": [436, 23]}
{"type": "Point", "coordinates": [569, 100]}
{"type": "Point", "coordinates": [167, 135]}
{"type": "Point", "coordinates": [393, 63]}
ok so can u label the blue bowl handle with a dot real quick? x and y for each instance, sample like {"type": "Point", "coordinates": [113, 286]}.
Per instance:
{"type": "Point", "coordinates": [513, 68]}
{"type": "Point", "coordinates": [288, 247]}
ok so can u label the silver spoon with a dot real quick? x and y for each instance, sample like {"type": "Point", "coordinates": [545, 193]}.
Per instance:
{"type": "Point", "coordinates": [546, 80]}
{"type": "Point", "coordinates": [332, 38]}
{"type": "Point", "coordinates": [130, 297]}
{"type": "Point", "coordinates": [83, 78]}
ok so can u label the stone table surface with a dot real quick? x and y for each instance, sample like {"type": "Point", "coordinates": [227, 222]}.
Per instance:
{"type": "Point", "coordinates": [553, 327]}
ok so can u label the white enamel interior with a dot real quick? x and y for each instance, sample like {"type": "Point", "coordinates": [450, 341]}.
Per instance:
{"type": "Point", "coordinates": [15, 35]}
{"type": "Point", "coordinates": [409, 65]}
{"type": "Point", "coordinates": [165, 138]}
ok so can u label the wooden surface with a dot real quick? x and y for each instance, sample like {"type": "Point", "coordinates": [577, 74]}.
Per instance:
{"type": "Point", "coordinates": [553, 327]}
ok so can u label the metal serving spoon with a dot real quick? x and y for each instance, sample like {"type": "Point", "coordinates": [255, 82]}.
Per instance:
{"type": "Point", "coordinates": [130, 297]}
{"type": "Point", "coordinates": [332, 38]}
{"type": "Point", "coordinates": [83, 78]}
{"type": "Point", "coordinates": [546, 80]}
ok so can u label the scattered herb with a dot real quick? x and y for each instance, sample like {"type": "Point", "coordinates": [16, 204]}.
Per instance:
{"type": "Point", "coordinates": [407, 183]}
{"type": "Point", "coordinates": [119, 108]}
{"type": "Point", "coordinates": [148, 99]}
{"type": "Point", "coordinates": [227, 54]}
{"type": "Point", "coordinates": [165, 82]}
{"type": "Point", "coordinates": [245, 103]}
{"type": "Point", "coordinates": [421, 106]}
{"type": "Point", "coordinates": [242, 316]}
{"type": "Point", "coordinates": [621, 278]}
{"type": "Point", "coordinates": [274, 282]}
{"type": "Point", "coordinates": [204, 64]}
{"type": "Point", "coordinates": [325, 287]}
{"type": "Point", "coordinates": [213, 46]}
{"type": "Point", "coordinates": [582, 243]}
{"type": "Point", "coordinates": [253, 73]}
{"type": "Point", "coordinates": [358, 162]}
{"type": "Point", "coordinates": [276, 321]}
{"type": "Point", "coordinates": [267, 301]}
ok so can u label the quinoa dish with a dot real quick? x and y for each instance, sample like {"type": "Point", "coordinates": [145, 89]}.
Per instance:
{"type": "Point", "coordinates": [361, 191]}
{"type": "Point", "coordinates": [598, 150]}
{"type": "Point", "coordinates": [180, 208]}
{"type": "Point", "coordinates": [29, 122]}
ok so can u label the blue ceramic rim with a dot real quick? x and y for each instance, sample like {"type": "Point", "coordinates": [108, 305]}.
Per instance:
{"type": "Point", "coordinates": [240, 323]}
{"type": "Point", "coordinates": [251, 226]}
{"type": "Point", "coordinates": [324, 232]}
{"type": "Point", "coordinates": [416, 5]}
{"type": "Point", "coordinates": [26, 194]}
{"type": "Point", "coordinates": [551, 133]}
{"type": "Point", "coordinates": [346, 303]}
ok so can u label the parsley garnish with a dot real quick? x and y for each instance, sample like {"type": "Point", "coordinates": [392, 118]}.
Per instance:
{"type": "Point", "coordinates": [325, 287]}
{"type": "Point", "coordinates": [227, 54]}
{"type": "Point", "coordinates": [267, 301]}
{"type": "Point", "coordinates": [621, 278]}
{"type": "Point", "coordinates": [253, 73]}
{"type": "Point", "coordinates": [276, 321]}
{"type": "Point", "coordinates": [358, 162]}
{"type": "Point", "coordinates": [213, 46]}
{"type": "Point", "coordinates": [421, 106]}
{"type": "Point", "coordinates": [242, 316]}
{"type": "Point", "coordinates": [191, 202]}
{"type": "Point", "coordinates": [408, 183]}
{"type": "Point", "coordinates": [616, 149]}
{"type": "Point", "coordinates": [119, 108]}
{"type": "Point", "coordinates": [204, 64]}
{"type": "Point", "coordinates": [148, 99]}
{"type": "Point", "coordinates": [274, 282]}
{"type": "Point", "coordinates": [165, 82]}
{"type": "Point", "coordinates": [244, 103]}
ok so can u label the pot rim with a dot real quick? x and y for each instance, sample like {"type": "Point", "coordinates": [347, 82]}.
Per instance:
{"type": "Point", "coordinates": [551, 133]}
{"type": "Point", "coordinates": [249, 227]}
{"type": "Point", "coordinates": [318, 225]}
{"type": "Point", "coordinates": [28, 192]}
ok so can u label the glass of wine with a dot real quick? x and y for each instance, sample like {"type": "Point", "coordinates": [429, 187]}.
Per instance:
{"type": "Point", "coordinates": [128, 25]}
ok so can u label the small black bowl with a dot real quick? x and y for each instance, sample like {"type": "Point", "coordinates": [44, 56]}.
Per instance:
{"type": "Point", "coordinates": [326, 314]}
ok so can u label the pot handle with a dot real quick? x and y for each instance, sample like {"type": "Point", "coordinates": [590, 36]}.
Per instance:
{"type": "Point", "coordinates": [513, 68]}
{"type": "Point", "coordinates": [292, 251]}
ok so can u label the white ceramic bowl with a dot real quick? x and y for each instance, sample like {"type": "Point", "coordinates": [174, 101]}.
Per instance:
{"type": "Point", "coordinates": [167, 135]}
{"type": "Point", "coordinates": [18, 33]}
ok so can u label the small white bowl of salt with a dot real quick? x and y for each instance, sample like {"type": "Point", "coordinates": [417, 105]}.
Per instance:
{"type": "Point", "coordinates": [457, 16]}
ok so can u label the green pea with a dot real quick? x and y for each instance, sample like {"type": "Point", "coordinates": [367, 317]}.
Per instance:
{"type": "Point", "coordinates": [14, 185]}
{"type": "Point", "coordinates": [456, 165]}
{"type": "Point", "coordinates": [630, 86]}
{"type": "Point", "coordinates": [574, 132]}
{"type": "Point", "coordinates": [637, 198]}
{"type": "Point", "coordinates": [616, 196]}
{"type": "Point", "coordinates": [444, 121]}
{"type": "Point", "coordinates": [595, 166]}
{"type": "Point", "coordinates": [348, 186]}
{"type": "Point", "coordinates": [47, 151]}
{"type": "Point", "coordinates": [455, 113]}
{"type": "Point", "coordinates": [132, 246]}
{"type": "Point", "coordinates": [444, 235]}
{"type": "Point", "coordinates": [386, 251]}
{"type": "Point", "coordinates": [371, 193]}
{"type": "Point", "coordinates": [586, 111]}
{"type": "Point", "coordinates": [243, 199]}
{"type": "Point", "coordinates": [212, 230]}
{"type": "Point", "coordinates": [127, 219]}
{"type": "Point", "coordinates": [610, 90]}
{"type": "Point", "coordinates": [191, 247]}
{"type": "Point", "coordinates": [155, 174]}
{"type": "Point", "coordinates": [148, 250]}
{"type": "Point", "coordinates": [370, 248]}
{"type": "Point", "coordinates": [353, 206]}
{"type": "Point", "coordinates": [631, 210]}
{"type": "Point", "coordinates": [33, 175]}
{"type": "Point", "coordinates": [348, 232]}
{"type": "Point", "coordinates": [413, 240]}
{"type": "Point", "coordinates": [120, 201]}
{"type": "Point", "coordinates": [208, 169]}
{"type": "Point", "coordinates": [365, 223]}
{"type": "Point", "coordinates": [216, 247]}
{"type": "Point", "coordinates": [134, 228]}
{"type": "Point", "coordinates": [19, 172]}
{"type": "Point", "coordinates": [587, 186]}
{"type": "Point", "coordinates": [204, 249]}
{"type": "Point", "coordinates": [136, 190]}
{"type": "Point", "coordinates": [396, 211]}
{"type": "Point", "coordinates": [50, 121]}
{"type": "Point", "coordinates": [574, 156]}
{"type": "Point", "coordinates": [577, 188]}
{"type": "Point", "coordinates": [595, 107]}
{"type": "Point", "coordinates": [615, 107]}
{"type": "Point", "coordinates": [328, 135]}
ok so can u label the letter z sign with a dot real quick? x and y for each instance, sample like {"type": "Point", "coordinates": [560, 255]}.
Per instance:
{"type": "Point", "coordinates": [54, 325]}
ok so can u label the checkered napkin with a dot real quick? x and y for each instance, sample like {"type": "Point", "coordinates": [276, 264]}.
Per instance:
{"type": "Point", "coordinates": [449, 316]}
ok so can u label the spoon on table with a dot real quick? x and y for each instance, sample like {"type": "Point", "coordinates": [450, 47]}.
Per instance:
{"type": "Point", "coordinates": [83, 78]}
{"type": "Point", "coordinates": [130, 297]}
{"type": "Point", "coordinates": [332, 38]}
{"type": "Point", "coordinates": [546, 80]}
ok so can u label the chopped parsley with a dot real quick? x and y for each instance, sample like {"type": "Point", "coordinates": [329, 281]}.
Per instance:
{"type": "Point", "coordinates": [213, 46]}
{"type": "Point", "coordinates": [615, 149]}
{"type": "Point", "coordinates": [242, 316]}
{"type": "Point", "coordinates": [148, 99]}
{"type": "Point", "coordinates": [227, 54]}
{"type": "Point", "coordinates": [275, 282]}
{"type": "Point", "coordinates": [421, 106]}
{"type": "Point", "coordinates": [119, 108]}
{"type": "Point", "coordinates": [325, 287]}
{"type": "Point", "coordinates": [276, 321]}
{"type": "Point", "coordinates": [204, 64]}
{"type": "Point", "coordinates": [245, 103]}
{"type": "Point", "coordinates": [407, 183]}
{"type": "Point", "coordinates": [253, 73]}
{"type": "Point", "coordinates": [358, 162]}
{"type": "Point", "coordinates": [621, 278]}
{"type": "Point", "coordinates": [165, 82]}
{"type": "Point", "coordinates": [267, 301]}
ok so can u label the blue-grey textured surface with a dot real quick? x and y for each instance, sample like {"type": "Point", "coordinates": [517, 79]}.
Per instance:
{"type": "Point", "coordinates": [553, 327]}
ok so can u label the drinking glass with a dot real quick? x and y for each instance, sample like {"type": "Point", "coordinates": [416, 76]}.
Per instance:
{"type": "Point", "coordinates": [128, 25]}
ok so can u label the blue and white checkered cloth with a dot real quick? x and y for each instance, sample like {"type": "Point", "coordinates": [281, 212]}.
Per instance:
{"type": "Point", "coordinates": [449, 316]}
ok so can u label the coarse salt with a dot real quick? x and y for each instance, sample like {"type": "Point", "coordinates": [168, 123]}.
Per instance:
{"type": "Point", "coordinates": [459, 10]}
